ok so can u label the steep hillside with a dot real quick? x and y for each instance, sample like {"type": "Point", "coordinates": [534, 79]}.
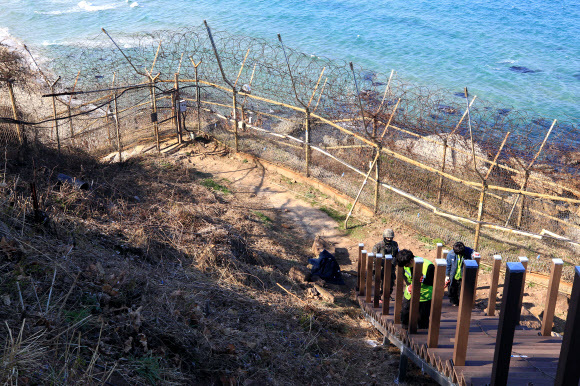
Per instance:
{"type": "Point", "coordinates": [162, 273]}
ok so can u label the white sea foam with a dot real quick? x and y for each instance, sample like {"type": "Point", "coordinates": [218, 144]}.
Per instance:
{"type": "Point", "coordinates": [82, 6]}
{"type": "Point", "coordinates": [509, 61]}
{"type": "Point", "coordinates": [134, 4]}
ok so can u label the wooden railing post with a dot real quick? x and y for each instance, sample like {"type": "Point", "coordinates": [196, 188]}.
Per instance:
{"type": "Point", "coordinates": [508, 320]}
{"type": "Point", "coordinates": [464, 314]}
{"type": "Point", "coordinates": [415, 295]}
{"type": "Point", "coordinates": [388, 264]}
{"type": "Point", "coordinates": [568, 372]}
{"type": "Point", "coordinates": [399, 287]}
{"type": "Point", "coordinates": [524, 261]}
{"type": "Point", "coordinates": [436, 303]}
{"type": "Point", "coordinates": [378, 271]}
{"type": "Point", "coordinates": [477, 257]}
{"type": "Point", "coordinates": [439, 250]}
{"type": "Point", "coordinates": [361, 246]}
{"type": "Point", "coordinates": [363, 272]}
{"type": "Point", "coordinates": [444, 253]}
{"type": "Point", "coordinates": [552, 296]}
{"type": "Point", "coordinates": [369, 281]}
{"type": "Point", "coordinates": [493, 285]}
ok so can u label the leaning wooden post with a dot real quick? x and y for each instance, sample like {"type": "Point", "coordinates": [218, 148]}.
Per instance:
{"type": "Point", "coordinates": [388, 264]}
{"type": "Point", "coordinates": [369, 281]}
{"type": "Point", "coordinates": [464, 313]}
{"type": "Point", "coordinates": [377, 180]}
{"type": "Point", "coordinates": [235, 116]}
{"type": "Point", "coordinates": [439, 250]}
{"type": "Point", "coordinates": [436, 303]}
{"type": "Point", "coordinates": [54, 114]}
{"type": "Point", "coordinates": [552, 296]}
{"type": "Point", "coordinates": [415, 295]}
{"type": "Point", "coordinates": [493, 286]}
{"type": "Point", "coordinates": [118, 127]}
{"type": "Point", "coordinates": [363, 272]}
{"type": "Point", "coordinates": [307, 150]}
{"type": "Point", "coordinates": [399, 288]}
{"type": "Point", "coordinates": [378, 270]}
{"type": "Point", "coordinates": [568, 372]}
{"type": "Point", "coordinates": [15, 114]}
{"type": "Point", "coordinates": [508, 320]}
{"type": "Point", "coordinates": [524, 261]}
{"type": "Point", "coordinates": [360, 249]}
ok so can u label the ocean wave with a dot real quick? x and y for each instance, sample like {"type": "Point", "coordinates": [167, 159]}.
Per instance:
{"type": "Point", "coordinates": [509, 61]}
{"type": "Point", "coordinates": [82, 6]}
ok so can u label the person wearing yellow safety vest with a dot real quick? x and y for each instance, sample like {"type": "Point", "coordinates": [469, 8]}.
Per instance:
{"type": "Point", "coordinates": [454, 270]}
{"type": "Point", "coordinates": [406, 259]}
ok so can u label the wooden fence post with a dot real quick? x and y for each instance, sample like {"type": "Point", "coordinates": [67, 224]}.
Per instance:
{"type": "Point", "coordinates": [307, 150]}
{"type": "Point", "coordinates": [444, 253]}
{"type": "Point", "coordinates": [176, 106]}
{"type": "Point", "coordinates": [377, 180]}
{"type": "Point", "coordinates": [439, 250]}
{"type": "Point", "coordinates": [440, 190]}
{"type": "Point", "coordinates": [378, 271]}
{"type": "Point", "coordinates": [235, 115]}
{"type": "Point", "coordinates": [369, 281]}
{"type": "Point", "coordinates": [568, 372]}
{"type": "Point", "coordinates": [54, 114]}
{"type": "Point", "coordinates": [399, 287]}
{"type": "Point", "coordinates": [154, 119]}
{"type": "Point", "coordinates": [361, 246]}
{"type": "Point", "coordinates": [415, 295]}
{"type": "Point", "coordinates": [118, 127]}
{"type": "Point", "coordinates": [508, 320]}
{"type": "Point", "coordinates": [552, 296]}
{"type": "Point", "coordinates": [492, 298]}
{"type": "Point", "coordinates": [524, 261]}
{"type": "Point", "coordinates": [363, 272]}
{"type": "Point", "coordinates": [388, 264]}
{"type": "Point", "coordinates": [436, 303]}
{"type": "Point", "coordinates": [464, 313]}
{"type": "Point", "coordinates": [19, 130]}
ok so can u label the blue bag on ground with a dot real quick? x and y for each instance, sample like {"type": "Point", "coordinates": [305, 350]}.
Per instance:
{"type": "Point", "coordinates": [326, 267]}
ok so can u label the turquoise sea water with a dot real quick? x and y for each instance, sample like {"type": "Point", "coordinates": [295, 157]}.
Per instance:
{"type": "Point", "coordinates": [520, 54]}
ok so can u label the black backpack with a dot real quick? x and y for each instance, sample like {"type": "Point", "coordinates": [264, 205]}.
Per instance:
{"type": "Point", "coordinates": [326, 267]}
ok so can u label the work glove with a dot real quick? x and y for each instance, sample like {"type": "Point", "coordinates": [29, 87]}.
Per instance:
{"type": "Point", "coordinates": [447, 282]}
{"type": "Point", "coordinates": [410, 289]}
{"type": "Point", "coordinates": [421, 279]}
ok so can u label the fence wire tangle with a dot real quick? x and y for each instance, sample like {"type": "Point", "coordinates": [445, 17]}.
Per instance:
{"type": "Point", "coordinates": [454, 154]}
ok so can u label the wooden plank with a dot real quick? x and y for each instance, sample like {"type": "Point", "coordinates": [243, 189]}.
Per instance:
{"type": "Point", "coordinates": [437, 299]}
{"type": "Point", "coordinates": [378, 270]}
{"type": "Point", "coordinates": [361, 247]}
{"type": "Point", "coordinates": [415, 294]}
{"type": "Point", "coordinates": [551, 296]}
{"type": "Point", "coordinates": [399, 284]}
{"type": "Point", "coordinates": [509, 318]}
{"type": "Point", "coordinates": [568, 369]}
{"type": "Point", "coordinates": [465, 306]}
{"type": "Point", "coordinates": [524, 261]}
{"type": "Point", "coordinates": [387, 284]}
{"type": "Point", "coordinates": [439, 251]}
{"type": "Point", "coordinates": [363, 272]}
{"type": "Point", "coordinates": [369, 281]}
{"type": "Point", "coordinates": [492, 298]}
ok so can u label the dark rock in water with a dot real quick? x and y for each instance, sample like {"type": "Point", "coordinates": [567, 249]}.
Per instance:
{"type": "Point", "coordinates": [369, 76]}
{"type": "Point", "coordinates": [543, 122]}
{"type": "Point", "coordinates": [523, 70]}
{"type": "Point", "coordinates": [375, 84]}
{"type": "Point", "coordinates": [503, 111]}
{"type": "Point", "coordinates": [447, 109]}
{"type": "Point", "coordinates": [577, 75]}
{"type": "Point", "coordinates": [460, 94]}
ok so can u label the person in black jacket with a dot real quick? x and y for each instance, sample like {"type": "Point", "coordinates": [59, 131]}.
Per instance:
{"type": "Point", "coordinates": [388, 246]}
{"type": "Point", "coordinates": [454, 270]}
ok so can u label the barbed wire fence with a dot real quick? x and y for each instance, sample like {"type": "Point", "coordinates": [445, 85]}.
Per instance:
{"type": "Point", "coordinates": [447, 163]}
